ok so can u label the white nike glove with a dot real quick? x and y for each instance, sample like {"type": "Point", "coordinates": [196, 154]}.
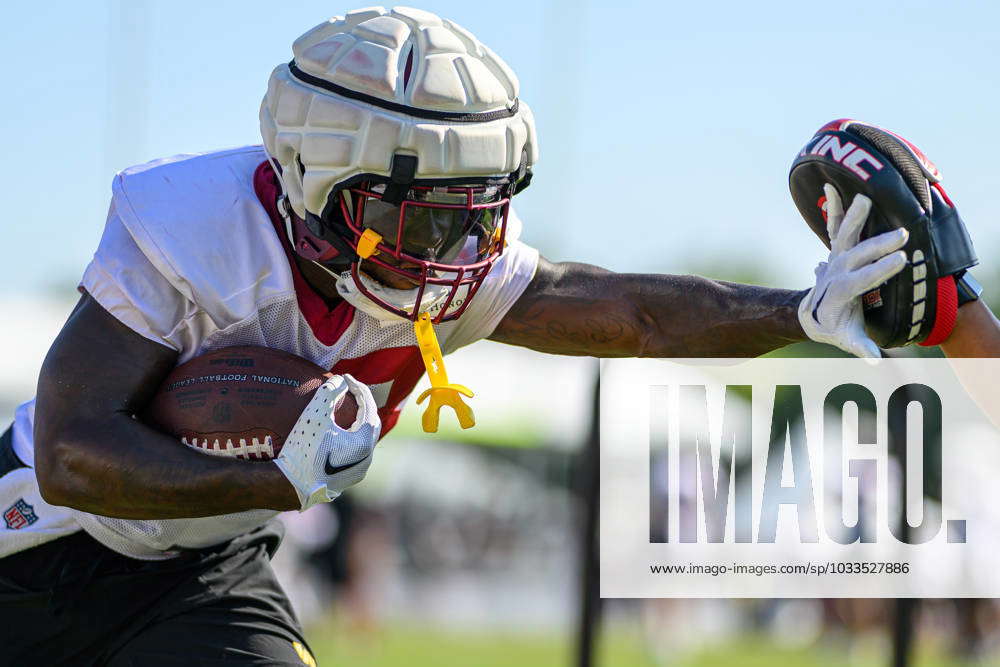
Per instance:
{"type": "Point", "coordinates": [320, 458]}
{"type": "Point", "coordinates": [831, 311]}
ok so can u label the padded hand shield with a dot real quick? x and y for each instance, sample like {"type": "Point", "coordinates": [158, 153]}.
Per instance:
{"type": "Point", "coordinates": [919, 304]}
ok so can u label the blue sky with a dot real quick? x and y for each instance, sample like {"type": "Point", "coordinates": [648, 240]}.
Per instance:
{"type": "Point", "coordinates": [666, 130]}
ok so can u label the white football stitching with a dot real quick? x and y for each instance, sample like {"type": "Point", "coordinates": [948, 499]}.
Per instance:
{"type": "Point", "coordinates": [263, 450]}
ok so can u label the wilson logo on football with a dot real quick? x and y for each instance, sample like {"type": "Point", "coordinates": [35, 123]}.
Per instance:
{"type": "Point", "coordinates": [848, 154]}
{"type": "Point", "coordinates": [243, 362]}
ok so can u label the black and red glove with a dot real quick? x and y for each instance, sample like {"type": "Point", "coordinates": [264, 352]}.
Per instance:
{"type": "Point", "coordinates": [919, 304]}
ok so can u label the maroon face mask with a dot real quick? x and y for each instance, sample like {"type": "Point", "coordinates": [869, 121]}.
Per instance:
{"type": "Point", "coordinates": [447, 236]}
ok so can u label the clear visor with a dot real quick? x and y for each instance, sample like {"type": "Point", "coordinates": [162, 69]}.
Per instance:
{"type": "Point", "coordinates": [444, 225]}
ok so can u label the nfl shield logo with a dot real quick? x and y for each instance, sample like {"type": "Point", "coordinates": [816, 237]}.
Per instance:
{"type": "Point", "coordinates": [19, 515]}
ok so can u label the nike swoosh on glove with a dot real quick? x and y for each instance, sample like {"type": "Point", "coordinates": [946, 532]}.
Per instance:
{"type": "Point", "coordinates": [831, 311]}
{"type": "Point", "coordinates": [320, 458]}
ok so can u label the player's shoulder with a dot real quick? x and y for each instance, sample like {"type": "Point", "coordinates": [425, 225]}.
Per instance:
{"type": "Point", "coordinates": [514, 225]}
{"type": "Point", "coordinates": [197, 218]}
{"type": "Point", "coordinates": [195, 161]}
{"type": "Point", "coordinates": [503, 285]}
{"type": "Point", "coordinates": [188, 180]}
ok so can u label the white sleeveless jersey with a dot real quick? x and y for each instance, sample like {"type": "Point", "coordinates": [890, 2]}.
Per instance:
{"type": "Point", "coordinates": [192, 258]}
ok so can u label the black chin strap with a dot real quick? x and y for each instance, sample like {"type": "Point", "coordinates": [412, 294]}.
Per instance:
{"type": "Point", "coordinates": [338, 239]}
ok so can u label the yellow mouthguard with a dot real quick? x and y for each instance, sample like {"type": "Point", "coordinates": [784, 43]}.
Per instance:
{"type": "Point", "coordinates": [441, 392]}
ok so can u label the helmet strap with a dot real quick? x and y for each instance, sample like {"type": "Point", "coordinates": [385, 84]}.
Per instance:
{"type": "Point", "coordinates": [282, 204]}
{"type": "Point", "coordinates": [404, 172]}
{"type": "Point", "coordinates": [283, 210]}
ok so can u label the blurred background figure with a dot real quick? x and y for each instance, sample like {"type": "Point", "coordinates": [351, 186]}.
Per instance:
{"type": "Point", "coordinates": [674, 124]}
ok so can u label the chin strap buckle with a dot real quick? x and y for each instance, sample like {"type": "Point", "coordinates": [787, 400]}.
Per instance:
{"type": "Point", "coordinates": [441, 393]}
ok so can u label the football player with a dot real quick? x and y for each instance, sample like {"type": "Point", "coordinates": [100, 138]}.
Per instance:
{"type": "Point", "coordinates": [371, 234]}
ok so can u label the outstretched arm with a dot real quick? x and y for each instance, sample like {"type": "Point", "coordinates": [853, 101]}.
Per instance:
{"type": "Point", "coordinates": [976, 334]}
{"type": "Point", "coordinates": [579, 309]}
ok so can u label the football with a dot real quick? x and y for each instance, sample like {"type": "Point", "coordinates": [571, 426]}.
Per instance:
{"type": "Point", "coordinates": [239, 401]}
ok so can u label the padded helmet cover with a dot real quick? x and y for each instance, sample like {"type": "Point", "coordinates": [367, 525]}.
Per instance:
{"type": "Point", "coordinates": [410, 83]}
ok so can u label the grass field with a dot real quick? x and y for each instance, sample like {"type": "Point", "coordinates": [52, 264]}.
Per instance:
{"type": "Point", "coordinates": [412, 646]}
{"type": "Point", "coordinates": [400, 646]}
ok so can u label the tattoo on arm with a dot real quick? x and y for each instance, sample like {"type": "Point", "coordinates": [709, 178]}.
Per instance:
{"type": "Point", "coordinates": [579, 309]}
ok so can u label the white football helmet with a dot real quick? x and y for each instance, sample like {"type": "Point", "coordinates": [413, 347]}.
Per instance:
{"type": "Point", "coordinates": [399, 140]}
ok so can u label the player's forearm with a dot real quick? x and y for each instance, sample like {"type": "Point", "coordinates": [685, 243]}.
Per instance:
{"type": "Point", "coordinates": [152, 477]}
{"type": "Point", "coordinates": [585, 310]}
{"type": "Point", "coordinates": [976, 333]}
{"type": "Point", "coordinates": [691, 316]}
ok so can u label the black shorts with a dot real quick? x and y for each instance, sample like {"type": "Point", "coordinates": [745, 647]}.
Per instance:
{"type": "Point", "coordinates": [75, 602]}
